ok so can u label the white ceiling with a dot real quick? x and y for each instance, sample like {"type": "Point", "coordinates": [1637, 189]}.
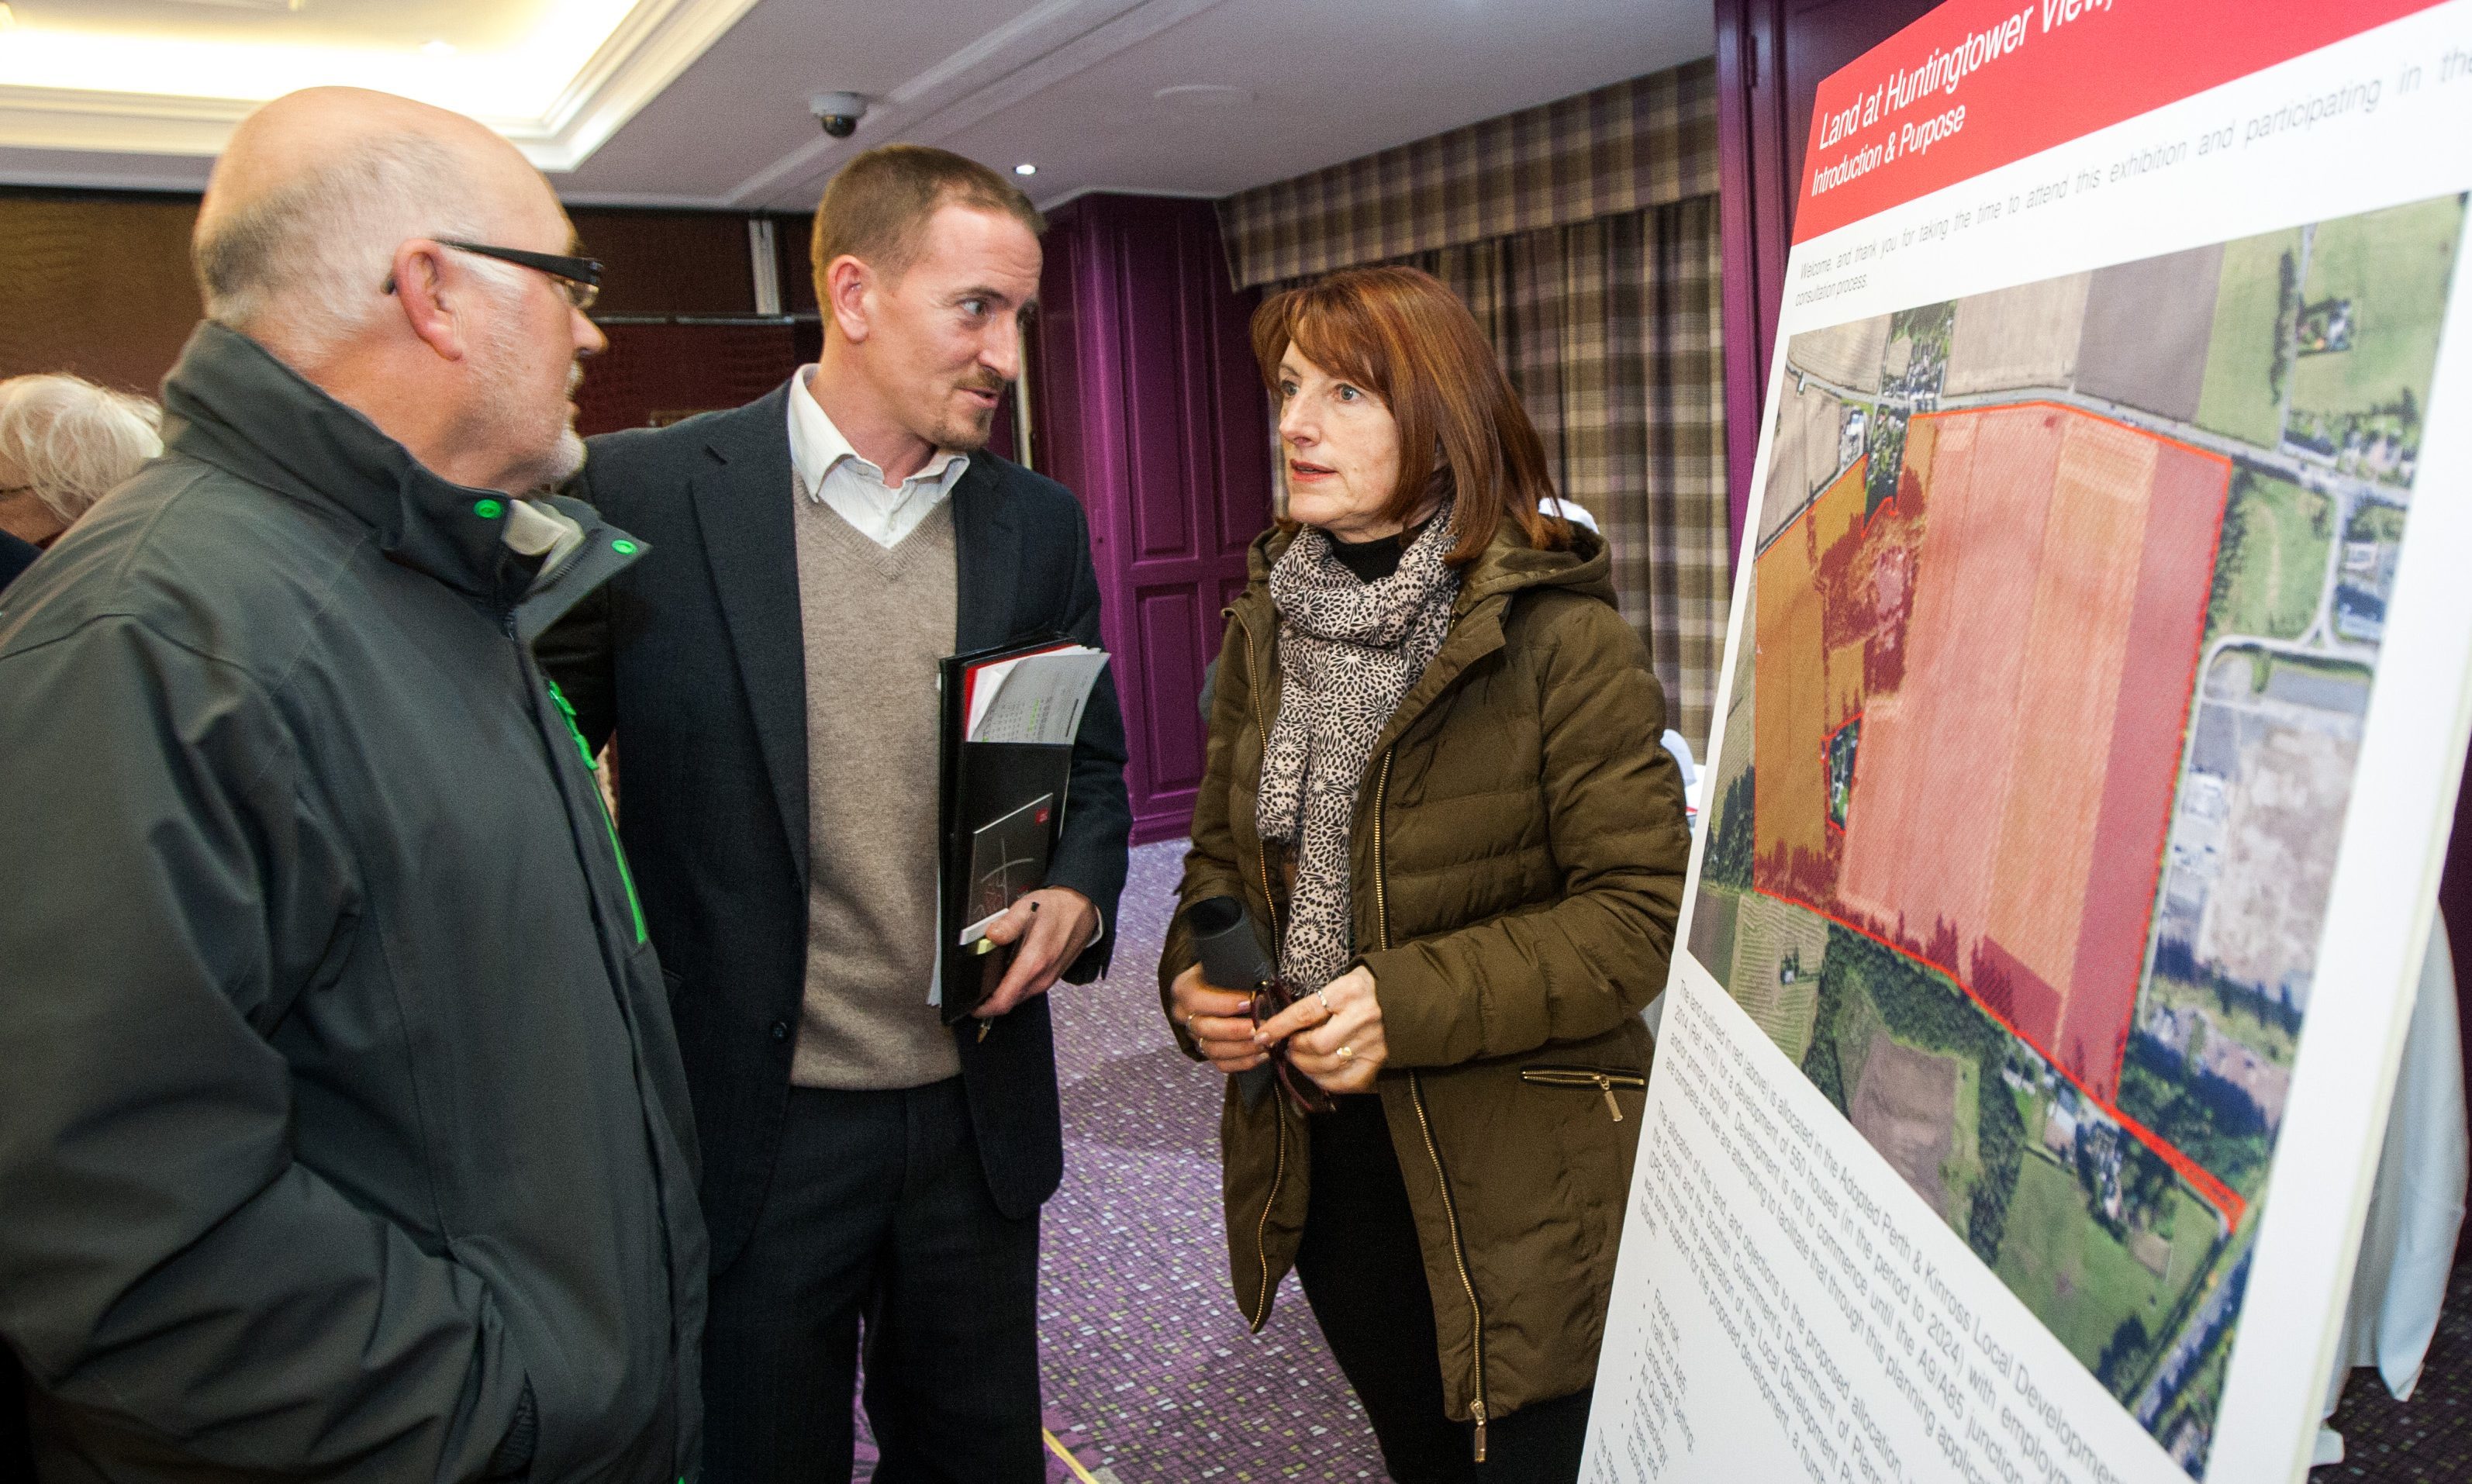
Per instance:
{"type": "Point", "coordinates": [468, 24]}
{"type": "Point", "coordinates": [143, 93]}
{"type": "Point", "coordinates": [704, 102]}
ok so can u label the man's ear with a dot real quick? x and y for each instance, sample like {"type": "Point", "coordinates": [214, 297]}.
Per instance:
{"type": "Point", "coordinates": [842, 288]}
{"type": "Point", "coordinates": [431, 310]}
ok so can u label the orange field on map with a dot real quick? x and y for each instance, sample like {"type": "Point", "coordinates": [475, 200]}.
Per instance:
{"type": "Point", "coordinates": [2018, 629]}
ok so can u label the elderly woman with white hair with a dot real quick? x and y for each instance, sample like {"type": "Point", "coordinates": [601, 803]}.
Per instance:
{"type": "Point", "coordinates": [65, 443]}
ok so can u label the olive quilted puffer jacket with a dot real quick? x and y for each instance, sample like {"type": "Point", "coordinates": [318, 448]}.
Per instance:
{"type": "Point", "coordinates": [1518, 859]}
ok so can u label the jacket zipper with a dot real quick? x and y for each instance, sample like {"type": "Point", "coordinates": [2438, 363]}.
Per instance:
{"type": "Point", "coordinates": [1586, 1077]}
{"type": "Point", "coordinates": [626, 877]}
{"type": "Point", "coordinates": [1381, 902]}
{"type": "Point", "coordinates": [1425, 1126]}
{"type": "Point", "coordinates": [1278, 1111]}
{"type": "Point", "coordinates": [1459, 1258]}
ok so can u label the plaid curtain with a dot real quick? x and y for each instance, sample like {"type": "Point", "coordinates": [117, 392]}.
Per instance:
{"type": "Point", "coordinates": [1649, 142]}
{"type": "Point", "coordinates": [1610, 330]}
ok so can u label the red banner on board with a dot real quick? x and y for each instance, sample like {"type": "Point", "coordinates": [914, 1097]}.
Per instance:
{"type": "Point", "coordinates": [1978, 83]}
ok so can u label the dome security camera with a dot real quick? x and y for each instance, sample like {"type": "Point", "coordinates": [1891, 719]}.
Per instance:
{"type": "Point", "coordinates": [838, 113]}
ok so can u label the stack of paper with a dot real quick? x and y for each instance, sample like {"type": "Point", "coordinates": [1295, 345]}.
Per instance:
{"type": "Point", "coordinates": [1031, 698]}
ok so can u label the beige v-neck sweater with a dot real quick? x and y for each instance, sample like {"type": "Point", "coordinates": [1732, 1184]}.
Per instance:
{"type": "Point", "coordinates": [876, 621]}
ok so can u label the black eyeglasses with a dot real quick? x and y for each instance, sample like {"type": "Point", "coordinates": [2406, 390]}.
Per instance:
{"type": "Point", "coordinates": [580, 277]}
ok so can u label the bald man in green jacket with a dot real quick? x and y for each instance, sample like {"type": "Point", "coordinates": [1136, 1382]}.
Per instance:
{"type": "Point", "coordinates": [343, 1134]}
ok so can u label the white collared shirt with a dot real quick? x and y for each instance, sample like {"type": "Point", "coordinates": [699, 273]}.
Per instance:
{"type": "Point", "coordinates": [831, 471]}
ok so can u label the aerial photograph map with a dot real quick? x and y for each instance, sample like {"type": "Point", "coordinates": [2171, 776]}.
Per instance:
{"type": "Point", "coordinates": [2067, 601]}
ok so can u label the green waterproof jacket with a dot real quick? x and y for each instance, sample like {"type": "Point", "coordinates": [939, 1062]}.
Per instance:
{"type": "Point", "coordinates": [343, 1135]}
{"type": "Point", "coordinates": [1518, 857]}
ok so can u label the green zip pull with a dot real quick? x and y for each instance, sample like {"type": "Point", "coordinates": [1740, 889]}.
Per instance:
{"type": "Point", "coordinates": [584, 750]}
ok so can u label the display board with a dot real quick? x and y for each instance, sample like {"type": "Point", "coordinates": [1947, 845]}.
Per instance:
{"type": "Point", "coordinates": [2096, 697]}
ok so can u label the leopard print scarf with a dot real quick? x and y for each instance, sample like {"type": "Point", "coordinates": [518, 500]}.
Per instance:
{"type": "Point", "coordinates": [1348, 650]}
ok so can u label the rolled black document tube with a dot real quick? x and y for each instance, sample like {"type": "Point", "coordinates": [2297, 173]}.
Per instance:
{"type": "Point", "coordinates": [1231, 957]}
{"type": "Point", "coordinates": [1224, 941]}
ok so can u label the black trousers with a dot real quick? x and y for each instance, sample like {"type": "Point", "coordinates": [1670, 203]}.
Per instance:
{"type": "Point", "coordinates": [1365, 1277]}
{"type": "Point", "coordinates": [879, 1220]}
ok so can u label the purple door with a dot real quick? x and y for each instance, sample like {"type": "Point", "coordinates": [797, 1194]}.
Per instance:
{"type": "Point", "coordinates": [1146, 404]}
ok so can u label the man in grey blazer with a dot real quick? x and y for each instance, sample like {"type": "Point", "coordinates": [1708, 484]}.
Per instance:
{"type": "Point", "coordinates": [769, 672]}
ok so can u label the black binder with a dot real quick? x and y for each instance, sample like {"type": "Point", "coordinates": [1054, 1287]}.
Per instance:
{"type": "Point", "coordinates": [997, 787]}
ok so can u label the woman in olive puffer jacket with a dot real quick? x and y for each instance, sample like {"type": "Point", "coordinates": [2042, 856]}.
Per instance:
{"type": "Point", "coordinates": [1435, 779]}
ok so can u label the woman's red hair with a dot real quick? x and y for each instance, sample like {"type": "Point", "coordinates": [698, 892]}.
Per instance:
{"type": "Point", "coordinates": [1399, 334]}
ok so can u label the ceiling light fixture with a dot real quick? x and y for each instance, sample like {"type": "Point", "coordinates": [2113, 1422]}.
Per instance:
{"type": "Point", "coordinates": [519, 79]}
{"type": "Point", "coordinates": [1025, 170]}
{"type": "Point", "coordinates": [557, 84]}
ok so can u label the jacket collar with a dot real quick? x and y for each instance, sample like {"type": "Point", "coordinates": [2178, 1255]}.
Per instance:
{"type": "Point", "coordinates": [753, 441]}
{"type": "Point", "coordinates": [987, 549]}
{"type": "Point", "coordinates": [229, 402]}
{"type": "Point", "coordinates": [741, 498]}
{"type": "Point", "coordinates": [569, 574]}
{"type": "Point", "coordinates": [1508, 565]}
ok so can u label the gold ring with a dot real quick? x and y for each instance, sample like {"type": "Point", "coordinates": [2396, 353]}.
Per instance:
{"type": "Point", "coordinates": [1347, 1053]}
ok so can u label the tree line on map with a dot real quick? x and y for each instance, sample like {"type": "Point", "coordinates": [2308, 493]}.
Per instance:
{"type": "Point", "coordinates": [1926, 1012]}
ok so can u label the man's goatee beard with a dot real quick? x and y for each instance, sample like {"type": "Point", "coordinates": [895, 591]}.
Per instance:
{"type": "Point", "coordinates": [968, 437]}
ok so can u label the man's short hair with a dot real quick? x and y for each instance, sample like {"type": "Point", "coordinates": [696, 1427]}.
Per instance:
{"type": "Point", "coordinates": [877, 207]}
{"type": "Point", "coordinates": [71, 441]}
{"type": "Point", "coordinates": [308, 261]}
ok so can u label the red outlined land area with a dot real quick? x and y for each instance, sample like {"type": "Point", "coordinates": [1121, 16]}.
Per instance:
{"type": "Point", "coordinates": [2018, 629]}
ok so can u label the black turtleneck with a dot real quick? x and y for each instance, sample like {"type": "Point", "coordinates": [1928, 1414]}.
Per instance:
{"type": "Point", "coordinates": [1370, 561]}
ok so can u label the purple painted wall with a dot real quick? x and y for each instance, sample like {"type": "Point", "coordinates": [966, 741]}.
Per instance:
{"type": "Point", "coordinates": [1146, 402]}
